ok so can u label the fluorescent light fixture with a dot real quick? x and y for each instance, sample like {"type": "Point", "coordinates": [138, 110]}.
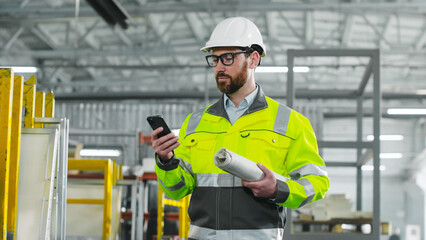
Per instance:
{"type": "Point", "coordinates": [302, 69]}
{"type": "Point", "coordinates": [371, 168]}
{"type": "Point", "coordinates": [270, 69]}
{"type": "Point", "coordinates": [387, 137]}
{"type": "Point", "coordinates": [100, 152]}
{"type": "Point", "coordinates": [391, 155]}
{"type": "Point", "coordinates": [406, 111]}
{"type": "Point", "coordinates": [22, 69]}
{"type": "Point", "coordinates": [421, 91]}
{"type": "Point", "coordinates": [348, 227]}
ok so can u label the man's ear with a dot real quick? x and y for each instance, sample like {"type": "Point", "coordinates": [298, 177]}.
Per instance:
{"type": "Point", "coordinates": [255, 59]}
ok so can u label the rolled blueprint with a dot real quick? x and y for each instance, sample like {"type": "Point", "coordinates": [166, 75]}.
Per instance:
{"type": "Point", "coordinates": [240, 166]}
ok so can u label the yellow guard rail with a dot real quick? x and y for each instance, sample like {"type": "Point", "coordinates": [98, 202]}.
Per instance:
{"type": "Point", "coordinates": [107, 167]}
{"type": "Point", "coordinates": [184, 220]}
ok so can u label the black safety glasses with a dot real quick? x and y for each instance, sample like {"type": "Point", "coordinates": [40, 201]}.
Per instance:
{"type": "Point", "coordinates": [226, 58]}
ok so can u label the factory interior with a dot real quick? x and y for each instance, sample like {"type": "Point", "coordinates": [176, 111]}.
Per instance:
{"type": "Point", "coordinates": [78, 79]}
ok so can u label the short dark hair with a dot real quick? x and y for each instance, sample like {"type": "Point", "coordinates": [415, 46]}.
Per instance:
{"type": "Point", "coordinates": [251, 49]}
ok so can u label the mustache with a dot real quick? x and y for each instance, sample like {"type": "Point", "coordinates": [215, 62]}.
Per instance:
{"type": "Point", "coordinates": [222, 74]}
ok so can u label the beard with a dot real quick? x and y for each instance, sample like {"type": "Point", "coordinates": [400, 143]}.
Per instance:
{"type": "Point", "coordinates": [235, 83]}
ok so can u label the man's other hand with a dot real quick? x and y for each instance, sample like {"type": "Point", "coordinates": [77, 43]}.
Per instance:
{"type": "Point", "coordinates": [264, 188]}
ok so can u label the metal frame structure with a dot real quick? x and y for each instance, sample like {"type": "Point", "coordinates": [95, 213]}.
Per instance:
{"type": "Point", "coordinates": [49, 175]}
{"type": "Point", "coordinates": [62, 125]}
{"type": "Point", "coordinates": [373, 67]}
{"type": "Point", "coordinates": [29, 101]}
{"type": "Point", "coordinates": [14, 95]}
{"type": "Point", "coordinates": [15, 147]}
{"type": "Point", "coordinates": [6, 99]}
{"type": "Point", "coordinates": [107, 166]}
{"type": "Point", "coordinates": [137, 207]}
{"type": "Point", "coordinates": [40, 107]}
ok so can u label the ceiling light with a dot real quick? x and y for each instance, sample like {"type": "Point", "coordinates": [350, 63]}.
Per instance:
{"type": "Point", "coordinates": [391, 155]}
{"type": "Point", "coordinates": [421, 91]}
{"type": "Point", "coordinates": [100, 153]}
{"type": "Point", "coordinates": [22, 69]}
{"type": "Point", "coordinates": [271, 69]}
{"type": "Point", "coordinates": [406, 111]}
{"type": "Point", "coordinates": [387, 137]}
{"type": "Point", "coordinates": [371, 168]}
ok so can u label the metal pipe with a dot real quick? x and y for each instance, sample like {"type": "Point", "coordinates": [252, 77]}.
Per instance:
{"type": "Point", "coordinates": [376, 144]}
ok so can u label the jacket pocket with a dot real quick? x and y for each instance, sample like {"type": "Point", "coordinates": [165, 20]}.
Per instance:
{"type": "Point", "coordinates": [202, 147]}
{"type": "Point", "coordinates": [266, 147]}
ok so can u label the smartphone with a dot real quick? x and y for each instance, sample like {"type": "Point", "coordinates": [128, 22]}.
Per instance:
{"type": "Point", "coordinates": [156, 122]}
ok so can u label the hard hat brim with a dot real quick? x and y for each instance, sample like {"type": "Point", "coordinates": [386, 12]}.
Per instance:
{"type": "Point", "coordinates": [209, 48]}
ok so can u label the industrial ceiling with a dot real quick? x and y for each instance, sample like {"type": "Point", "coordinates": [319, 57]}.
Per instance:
{"type": "Point", "coordinates": [152, 46]}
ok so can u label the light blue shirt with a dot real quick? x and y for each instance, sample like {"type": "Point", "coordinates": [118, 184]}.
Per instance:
{"type": "Point", "coordinates": [235, 112]}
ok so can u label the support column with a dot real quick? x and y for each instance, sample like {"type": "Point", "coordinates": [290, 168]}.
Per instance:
{"type": "Point", "coordinates": [6, 93]}
{"type": "Point", "coordinates": [15, 146]}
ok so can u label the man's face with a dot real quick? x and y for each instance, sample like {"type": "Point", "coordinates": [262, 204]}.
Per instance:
{"type": "Point", "coordinates": [230, 79]}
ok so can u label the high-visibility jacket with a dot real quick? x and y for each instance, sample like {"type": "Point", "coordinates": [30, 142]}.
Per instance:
{"type": "Point", "coordinates": [220, 207]}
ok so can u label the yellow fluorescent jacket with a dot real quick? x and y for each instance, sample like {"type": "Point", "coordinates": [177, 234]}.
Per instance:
{"type": "Point", "coordinates": [268, 132]}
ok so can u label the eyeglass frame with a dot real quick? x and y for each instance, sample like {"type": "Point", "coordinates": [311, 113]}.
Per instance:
{"type": "Point", "coordinates": [222, 55]}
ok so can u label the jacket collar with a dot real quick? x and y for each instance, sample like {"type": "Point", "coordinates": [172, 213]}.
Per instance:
{"type": "Point", "coordinates": [258, 104]}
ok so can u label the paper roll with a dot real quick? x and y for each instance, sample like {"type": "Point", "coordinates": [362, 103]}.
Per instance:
{"type": "Point", "coordinates": [239, 166]}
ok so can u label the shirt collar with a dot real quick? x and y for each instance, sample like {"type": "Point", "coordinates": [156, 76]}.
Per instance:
{"type": "Point", "coordinates": [247, 101]}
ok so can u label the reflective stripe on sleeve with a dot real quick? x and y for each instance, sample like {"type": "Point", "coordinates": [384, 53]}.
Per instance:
{"type": "Point", "coordinates": [308, 169]}
{"type": "Point", "coordinates": [282, 119]}
{"type": "Point", "coordinates": [186, 166]}
{"type": "Point", "coordinates": [178, 186]}
{"type": "Point", "coordinates": [309, 190]}
{"type": "Point", "coordinates": [196, 232]}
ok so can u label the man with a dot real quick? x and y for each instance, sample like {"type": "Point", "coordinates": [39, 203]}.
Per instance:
{"type": "Point", "coordinates": [252, 125]}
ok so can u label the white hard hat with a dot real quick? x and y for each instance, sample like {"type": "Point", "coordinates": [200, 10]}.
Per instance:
{"type": "Point", "coordinates": [236, 32]}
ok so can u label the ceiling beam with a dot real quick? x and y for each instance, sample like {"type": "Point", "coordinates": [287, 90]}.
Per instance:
{"type": "Point", "coordinates": [44, 38]}
{"type": "Point", "coordinates": [162, 67]}
{"type": "Point", "coordinates": [190, 94]}
{"type": "Point", "coordinates": [254, 6]}
{"type": "Point", "coordinates": [388, 25]}
{"type": "Point", "coordinates": [196, 26]}
{"type": "Point", "coordinates": [309, 32]}
{"type": "Point", "coordinates": [293, 30]}
{"type": "Point", "coordinates": [347, 30]}
{"type": "Point", "coordinates": [88, 31]}
{"type": "Point", "coordinates": [378, 33]}
{"type": "Point", "coordinates": [123, 36]}
{"type": "Point", "coordinates": [157, 28]}
{"type": "Point", "coordinates": [13, 39]}
{"type": "Point", "coordinates": [159, 52]}
{"type": "Point", "coordinates": [420, 41]}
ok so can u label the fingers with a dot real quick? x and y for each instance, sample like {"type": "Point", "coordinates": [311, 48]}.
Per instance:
{"type": "Point", "coordinates": [266, 187]}
{"type": "Point", "coordinates": [164, 145]}
{"type": "Point", "coordinates": [156, 132]}
{"type": "Point", "coordinates": [265, 170]}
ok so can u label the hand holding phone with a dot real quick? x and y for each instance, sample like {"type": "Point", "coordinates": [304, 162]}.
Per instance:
{"type": "Point", "coordinates": [156, 122]}
{"type": "Point", "coordinates": [163, 149]}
